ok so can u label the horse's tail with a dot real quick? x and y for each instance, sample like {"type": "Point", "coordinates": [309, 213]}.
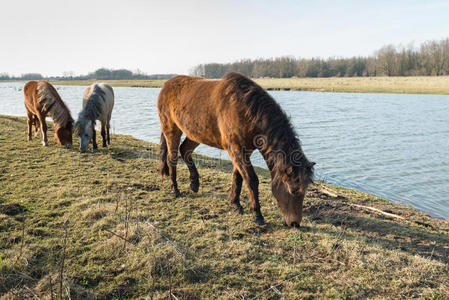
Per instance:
{"type": "Point", "coordinates": [163, 165]}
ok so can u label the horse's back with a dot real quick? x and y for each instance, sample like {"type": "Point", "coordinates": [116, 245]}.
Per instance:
{"type": "Point", "coordinates": [33, 93]}
{"type": "Point", "coordinates": [109, 97]}
{"type": "Point", "coordinates": [29, 90]}
{"type": "Point", "coordinates": [207, 111]}
{"type": "Point", "coordinates": [102, 91]}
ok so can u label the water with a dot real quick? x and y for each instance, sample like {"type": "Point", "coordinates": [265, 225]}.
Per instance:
{"type": "Point", "coordinates": [393, 146]}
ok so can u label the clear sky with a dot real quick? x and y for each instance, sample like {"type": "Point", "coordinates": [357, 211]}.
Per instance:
{"type": "Point", "coordinates": [54, 36]}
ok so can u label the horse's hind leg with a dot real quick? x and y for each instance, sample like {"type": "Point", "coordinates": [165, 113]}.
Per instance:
{"type": "Point", "coordinates": [37, 124]}
{"type": "Point", "coordinates": [30, 118]}
{"type": "Point", "coordinates": [173, 138]}
{"type": "Point", "coordinates": [163, 165]}
{"type": "Point", "coordinates": [108, 126]}
{"type": "Point", "coordinates": [234, 196]}
{"type": "Point", "coordinates": [186, 149]}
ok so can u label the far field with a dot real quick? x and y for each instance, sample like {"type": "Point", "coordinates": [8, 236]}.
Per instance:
{"type": "Point", "coordinates": [398, 85]}
{"type": "Point", "coordinates": [104, 225]}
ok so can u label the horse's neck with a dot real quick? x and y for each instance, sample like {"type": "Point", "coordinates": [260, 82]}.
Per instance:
{"type": "Point", "coordinates": [271, 156]}
{"type": "Point", "coordinates": [91, 110]}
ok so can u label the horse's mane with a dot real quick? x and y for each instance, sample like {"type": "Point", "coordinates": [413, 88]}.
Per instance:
{"type": "Point", "coordinates": [52, 103]}
{"type": "Point", "coordinates": [94, 104]}
{"type": "Point", "coordinates": [279, 139]}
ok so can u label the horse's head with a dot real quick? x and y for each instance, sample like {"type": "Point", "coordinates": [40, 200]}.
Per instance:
{"type": "Point", "coordinates": [64, 135]}
{"type": "Point", "coordinates": [289, 188]}
{"type": "Point", "coordinates": [85, 130]}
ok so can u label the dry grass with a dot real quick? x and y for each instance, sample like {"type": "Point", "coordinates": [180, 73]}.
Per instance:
{"type": "Point", "coordinates": [397, 85]}
{"type": "Point", "coordinates": [128, 237]}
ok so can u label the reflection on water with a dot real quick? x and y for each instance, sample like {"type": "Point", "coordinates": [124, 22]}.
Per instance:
{"type": "Point", "coordinates": [394, 146]}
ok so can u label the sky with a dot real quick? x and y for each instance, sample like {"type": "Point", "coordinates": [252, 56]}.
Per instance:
{"type": "Point", "coordinates": [168, 36]}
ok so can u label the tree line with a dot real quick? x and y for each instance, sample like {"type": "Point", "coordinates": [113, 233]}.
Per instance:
{"type": "Point", "coordinates": [99, 74]}
{"type": "Point", "coordinates": [431, 58]}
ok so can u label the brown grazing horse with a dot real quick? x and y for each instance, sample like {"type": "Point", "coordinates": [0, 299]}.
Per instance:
{"type": "Point", "coordinates": [237, 115]}
{"type": "Point", "coordinates": [42, 99]}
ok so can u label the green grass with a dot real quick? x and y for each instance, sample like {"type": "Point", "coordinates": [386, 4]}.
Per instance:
{"type": "Point", "coordinates": [194, 247]}
{"type": "Point", "coordinates": [397, 85]}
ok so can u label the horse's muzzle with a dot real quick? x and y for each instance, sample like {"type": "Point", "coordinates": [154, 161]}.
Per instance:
{"type": "Point", "coordinates": [293, 224]}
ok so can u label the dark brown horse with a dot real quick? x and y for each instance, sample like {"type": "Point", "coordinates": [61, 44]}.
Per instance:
{"type": "Point", "coordinates": [42, 99]}
{"type": "Point", "coordinates": [237, 115]}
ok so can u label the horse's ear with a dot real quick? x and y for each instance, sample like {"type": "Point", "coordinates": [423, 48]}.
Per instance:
{"type": "Point", "coordinates": [311, 164]}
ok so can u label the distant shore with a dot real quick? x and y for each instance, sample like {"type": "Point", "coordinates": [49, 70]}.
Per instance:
{"type": "Point", "coordinates": [394, 85]}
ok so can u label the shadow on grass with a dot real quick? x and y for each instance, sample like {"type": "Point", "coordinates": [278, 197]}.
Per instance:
{"type": "Point", "coordinates": [381, 231]}
{"type": "Point", "coordinates": [19, 120]}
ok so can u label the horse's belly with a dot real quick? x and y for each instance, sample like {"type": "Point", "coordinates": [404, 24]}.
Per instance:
{"type": "Point", "coordinates": [206, 141]}
{"type": "Point", "coordinates": [203, 134]}
{"type": "Point", "coordinates": [198, 120]}
{"type": "Point", "coordinates": [203, 138]}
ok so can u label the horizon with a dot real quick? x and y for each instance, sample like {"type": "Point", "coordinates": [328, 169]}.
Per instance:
{"type": "Point", "coordinates": [172, 37]}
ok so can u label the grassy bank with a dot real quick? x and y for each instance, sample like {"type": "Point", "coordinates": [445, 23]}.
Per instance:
{"type": "Point", "coordinates": [126, 237]}
{"type": "Point", "coordinates": [399, 85]}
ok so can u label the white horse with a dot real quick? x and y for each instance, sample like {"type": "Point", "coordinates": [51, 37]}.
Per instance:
{"type": "Point", "coordinates": [98, 101]}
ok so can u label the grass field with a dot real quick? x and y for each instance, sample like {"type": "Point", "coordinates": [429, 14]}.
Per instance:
{"type": "Point", "coordinates": [399, 85]}
{"type": "Point", "coordinates": [105, 225]}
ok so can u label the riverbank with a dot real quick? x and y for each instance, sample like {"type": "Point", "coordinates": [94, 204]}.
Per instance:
{"type": "Point", "coordinates": [126, 237]}
{"type": "Point", "coordinates": [396, 85]}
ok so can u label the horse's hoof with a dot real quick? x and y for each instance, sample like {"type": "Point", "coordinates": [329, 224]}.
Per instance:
{"type": "Point", "coordinates": [176, 193]}
{"type": "Point", "coordinates": [259, 220]}
{"type": "Point", "coordinates": [195, 186]}
{"type": "Point", "coordinates": [239, 209]}
{"type": "Point", "coordinates": [29, 139]}
{"type": "Point", "coordinates": [104, 145]}
{"type": "Point", "coordinates": [45, 144]}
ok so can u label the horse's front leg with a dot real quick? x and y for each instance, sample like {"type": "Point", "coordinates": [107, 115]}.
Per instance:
{"type": "Point", "coordinates": [103, 133]}
{"type": "Point", "coordinates": [234, 196]}
{"type": "Point", "coordinates": [242, 163]}
{"type": "Point", "coordinates": [43, 129]}
{"type": "Point", "coordinates": [108, 127]}
{"type": "Point", "coordinates": [94, 137]}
